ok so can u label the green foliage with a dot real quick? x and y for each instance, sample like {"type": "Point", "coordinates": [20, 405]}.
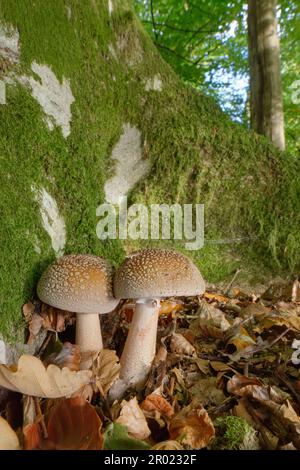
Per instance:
{"type": "Point", "coordinates": [116, 438]}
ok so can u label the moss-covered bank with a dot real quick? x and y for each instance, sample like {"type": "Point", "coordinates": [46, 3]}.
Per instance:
{"type": "Point", "coordinates": [198, 155]}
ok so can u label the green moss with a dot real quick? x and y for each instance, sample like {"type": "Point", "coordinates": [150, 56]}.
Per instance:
{"type": "Point", "coordinates": [250, 190]}
{"type": "Point", "coordinates": [234, 433]}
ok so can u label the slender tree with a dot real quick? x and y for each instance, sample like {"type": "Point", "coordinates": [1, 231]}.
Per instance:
{"type": "Point", "coordinates": [266, 103]}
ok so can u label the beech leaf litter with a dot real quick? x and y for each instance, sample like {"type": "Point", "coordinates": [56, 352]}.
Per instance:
{"type": "Point", "coordinates": [226, 375]}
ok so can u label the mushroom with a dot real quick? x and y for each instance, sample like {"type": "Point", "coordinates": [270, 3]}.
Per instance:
{"type": "Point", "coordinates": [81, 284]}
{"type": "Point", "coordinates": [147, 276]}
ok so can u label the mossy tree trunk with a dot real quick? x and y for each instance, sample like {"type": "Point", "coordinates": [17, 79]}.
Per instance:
{"type": "Point", "coordinates": [92, 112]}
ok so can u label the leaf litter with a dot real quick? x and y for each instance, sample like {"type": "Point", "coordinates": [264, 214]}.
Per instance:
{"type": "Point", "coordinates": [226, 375]}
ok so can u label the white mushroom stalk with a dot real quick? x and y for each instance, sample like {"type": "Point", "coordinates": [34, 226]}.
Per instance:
{"type": "Point", "coordinates": [139, 350]}
{"type": "Point", "coordinates": [148, 276]}
{"type": "Point", "coordinates": [88, 337]}
{"type": "Point", "coordinates": [81, 284]}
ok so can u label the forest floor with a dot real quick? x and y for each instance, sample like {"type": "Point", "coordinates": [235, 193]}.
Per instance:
{"type": "Point", "coordinates": [225, 376]}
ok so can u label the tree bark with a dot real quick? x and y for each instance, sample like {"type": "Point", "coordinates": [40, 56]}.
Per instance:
{"type": "Point", "coordinates": [266, 106]}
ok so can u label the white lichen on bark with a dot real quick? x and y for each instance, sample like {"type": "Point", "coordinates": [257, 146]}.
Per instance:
{"type": "Point", "coordinates": [153, 83]}
{"type": "Point", "coordinates": [130, 166]}
{"type": "Point", "coordinates": [52, 221]}
{"type": "Point", "coordinates": [54, 97]}
{"type": "Point", "coordinates": [9, 43]}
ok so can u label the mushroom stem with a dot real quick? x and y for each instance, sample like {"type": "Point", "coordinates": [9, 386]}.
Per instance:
{"type": "Point", "coordinates": [88, 337]}
{"type": "Point", "coordinates": [139, 349]}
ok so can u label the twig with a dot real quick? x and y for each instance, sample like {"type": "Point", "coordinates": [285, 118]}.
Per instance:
{"type": "Point", "coordinates": [288, 385]}
{"type": "Point", "coordinates": [40, 417]}
{"type": "Point", "coordinates": [227, 290]}
{"type": "Point", "coordinates": [153, 20]}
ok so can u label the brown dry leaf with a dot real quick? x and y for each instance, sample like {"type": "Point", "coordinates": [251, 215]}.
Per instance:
{"type": "Point", "coordinates": [28, 310]}
{"type": "Point", "coordinates": [55, 319]}
{"type": "Point", "coordinates": [106, 369]}
{"type": "Point", "coordinates": [283, 290]}
{"type": "Point", "coordinates": [219, 366]}
{"type": "Point", "coordinates": [155, 402]}
{"type": "Point", "coordinates": [32, 436]}
{"type": "Point", "coordinates": [253, 310]}
{"type": "Point", "coordinates": [133, 418]}
{"type": "Point", "coordinates": [211, 322]}
{"type": "Point", "coordinates": [283, 420]}
{"type": "Point", "coordinates": [8, 438]}
{"type": "Point", "coordinates": [240, 340]}
{"type": "Point", "coordinates": [68, 356]}
{"type": "Point", "coordinates": [252, 387]}
{"type": "Point", "coordinates": [203, 365]}
{"type": "Point", "coordinates": [286, 318]}
{"type": "Point", "coordinates": [169, 307]}
{"type": "Point", "coordinates": [35, 326]}
{"type": "Point", "coordinates": [240, 382]}
{"type": "Point", "coordinates": [207, 392]}
{"type": "Point", "coordinates": [74, 425]}
{"type": "Point", "coordinates": [30, 377]}
{"type": "Point", "coordinates": [192, 427]}
{"type": "Point", "coordinates": [167, 445]}
{"type": "Point", "coordinates": [180, 345]}
{"type": "Point", "coordinates": [217, 297]}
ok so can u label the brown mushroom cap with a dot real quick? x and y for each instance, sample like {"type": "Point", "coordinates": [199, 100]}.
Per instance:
{"type": "Point", "coordinates": [156, 273]}
{"type": "Point", "coordinates": [78, 283]}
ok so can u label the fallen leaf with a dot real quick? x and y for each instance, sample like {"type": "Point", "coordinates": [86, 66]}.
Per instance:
{"type": "Point", "coordinates": [192, 427]}
{"type": "Point", "coordinates": [219, 366]}
{"type": "Point", "coordinates": [168, 307]}
{"type": "Point", "coordinates": [167, 445]}
{"type": "Point", "coordinates": [28, 310]}
{"type": "Point", "coordinates": [133, 418]}
{"type": "Point", "coordinates": [180, 345]}
{"type": "Point", "coordinates": [74, 425]}
{"type": "Point", "coordinates": [8, 438]}
{"type": "Point", "coordinates": [239, 341]}
{"type": "Point", "coordinates": [252, 387]}
{"type": "Point", "coordinates": [217, 297]}
{"type": "Point", "coordinates": [116, 438]}
{"type": "Point", "coordinates": [211, 322]}
{"type": "Point", "coordinates": [282, 290]}
{"type": "Point", "coordinates": [68, 356]}
{"type": "Point", "coordinates": [30, 377]}
{"type": "Point", "coordinates": [287, 318]}
{"type": "Point", "coordinates": [155, 402]}
{"type": "Point", "coordinates": [32, 436]}
{"type": "Point", "coordinates": [106, 369]}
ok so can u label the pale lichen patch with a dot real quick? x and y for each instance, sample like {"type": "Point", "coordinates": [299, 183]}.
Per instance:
{"type": "Point", "coordinates": [53, 222]}
{"type": "Point", "coordinates": [153, 83]}
{"type": "Point", "coordinates": [130, 166]}
{"type": "Point", "coordinates": [54, 97]}
{"type": "Point", "coordinates": [110, 7]}
{"type": "Point", "coordinates": [9, 43]}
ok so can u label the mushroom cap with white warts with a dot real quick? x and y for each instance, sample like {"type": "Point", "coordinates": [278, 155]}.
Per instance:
{"type": "Point", "coordinates": [78, 283]}
{"type": "Point", "coordinates": [155, 273]}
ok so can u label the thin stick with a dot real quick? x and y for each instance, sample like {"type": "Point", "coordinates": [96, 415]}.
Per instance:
{"type": "Point", "coordinates": [40, 417]}
{"type": "Point", "coordinates": [232, 281]}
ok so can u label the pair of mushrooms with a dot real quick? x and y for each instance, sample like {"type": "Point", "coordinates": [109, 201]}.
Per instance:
{"type": "Point", "coordinates": [84, 284]}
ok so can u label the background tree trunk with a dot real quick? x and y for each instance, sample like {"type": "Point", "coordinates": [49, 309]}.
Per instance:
{"type": "Point", "coordinates": [266, 104]}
